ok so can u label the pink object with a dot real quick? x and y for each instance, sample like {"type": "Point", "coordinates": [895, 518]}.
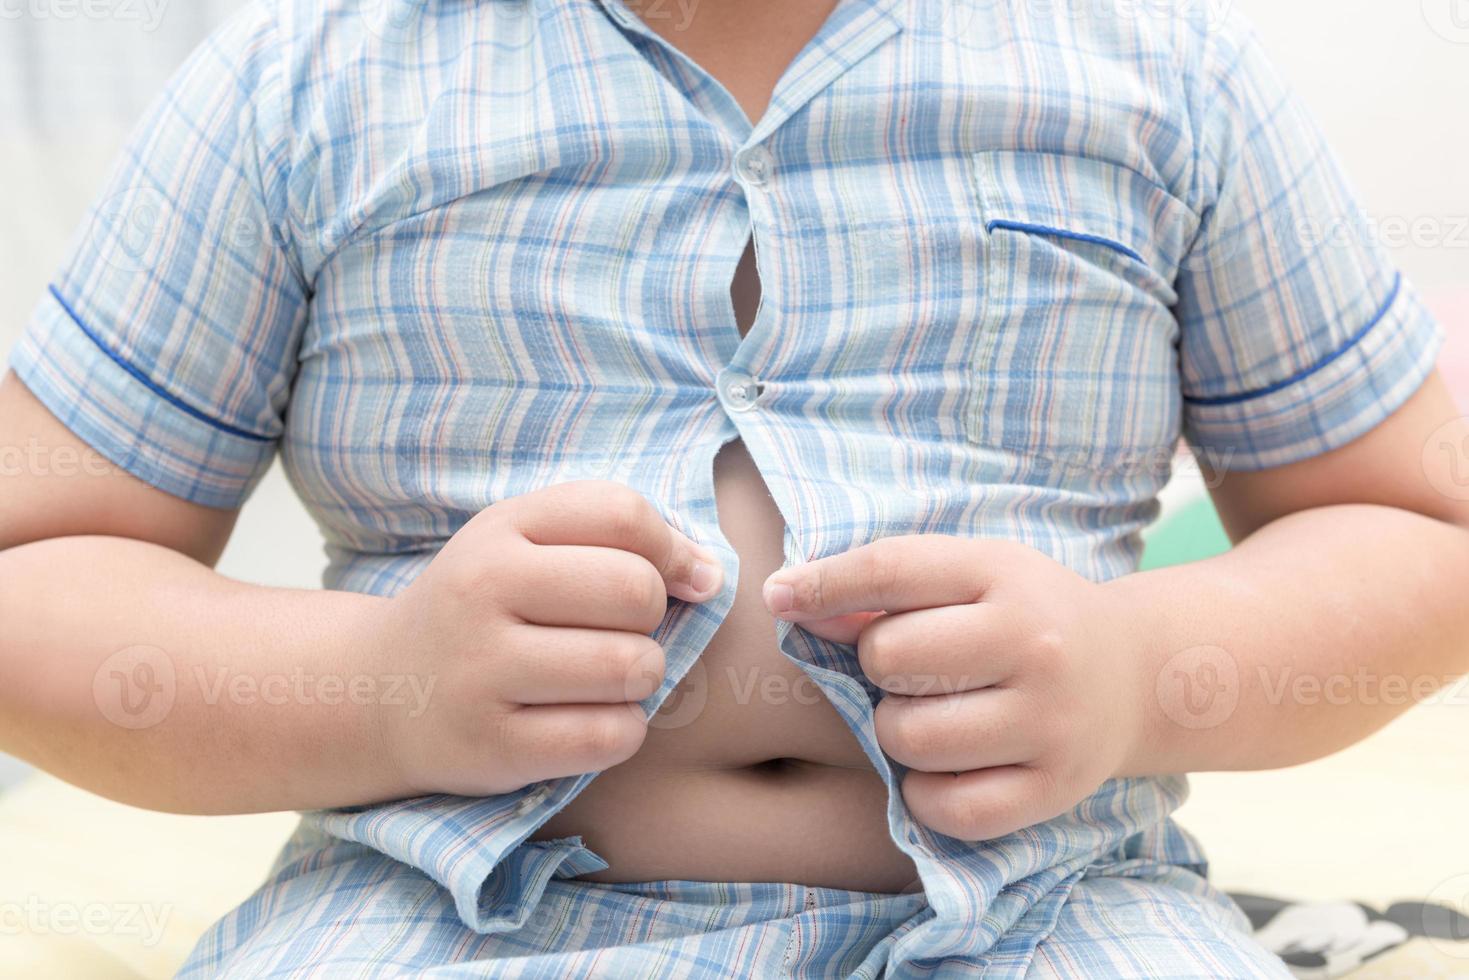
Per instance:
{"type": "Point", "coordinates": [1452, 309]}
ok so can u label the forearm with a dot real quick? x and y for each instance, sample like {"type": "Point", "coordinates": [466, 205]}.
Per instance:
{"type": "Point", "coordinates": [1332, 621]}
{"type": "Point", "coordinates": [263, 713]}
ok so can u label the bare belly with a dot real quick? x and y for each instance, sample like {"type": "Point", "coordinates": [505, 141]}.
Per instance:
{"type": "Point", "coordinates": [766, 782]}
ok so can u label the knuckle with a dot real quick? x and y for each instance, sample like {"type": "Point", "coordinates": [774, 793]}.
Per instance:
{"type": "Point", "coordinates": [635, 663]}
{"type": "Point", "coordinates": [882, 569]}
{"type": "Point", "coordinates": [627, 511]}
{"type": "Point", "coordinates": [969, 816]}
{"type": "Point", "coordinates": [815, 590]}
{"type": "Point", "coordinates": [652, 663]}
{"type": "Point", "coordinates": [1047, 649]}
{"type": "Point", "coordinates": [612, 736]}
{"type": "Point", "coordinates": [636, 590]}
{"type": "Point", "coordinates": [504, 738]}
{"type": "Point", "coordinates": [912, 734]}
{"type": "Point", "coordinates": [877, 653]}
{"type": "Point", "coordinates": [466, 581]}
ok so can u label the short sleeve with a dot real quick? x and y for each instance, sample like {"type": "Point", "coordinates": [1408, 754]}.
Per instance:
{"type": "Point", "coordinates": [1297, 334]}
{"type": "Point", "coordinates": [167, 338]}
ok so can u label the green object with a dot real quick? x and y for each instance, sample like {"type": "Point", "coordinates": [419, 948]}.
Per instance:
{"type": "Point", "coordinates": [1191, 534]}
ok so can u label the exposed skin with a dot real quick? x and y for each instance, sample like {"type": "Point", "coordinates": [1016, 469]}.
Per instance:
{"type": "Point", "coordinates": [1041, 684]}
{"type": "Point", "coordinates": [1347, 560]}
{"type": "Point", "coordinates": [94, 564]}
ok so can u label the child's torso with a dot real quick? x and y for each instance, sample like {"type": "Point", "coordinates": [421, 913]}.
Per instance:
{"type": "Point", "coordinates": [765, 782]}
{"type": "Point", "coordinates": [532, 288]}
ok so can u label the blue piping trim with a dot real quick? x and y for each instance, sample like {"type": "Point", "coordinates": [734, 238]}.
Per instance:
{"type": "Point", "coordinates": [1075, 236]}
{"type": "Point", "coordinates": [1381, 314]}
{"type": "Point", "coordinates": [148, 383]}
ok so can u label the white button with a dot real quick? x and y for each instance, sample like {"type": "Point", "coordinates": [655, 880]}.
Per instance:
{"type": "Point", "coordinates": [739, 390]}
{"type": "Point", "coordinates": [531, 800]}
{"type": "Point", "coordinates": [755, 166]}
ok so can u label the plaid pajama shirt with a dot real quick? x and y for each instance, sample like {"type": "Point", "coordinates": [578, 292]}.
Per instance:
{"type": "Point", "coordinates": [441, 252]}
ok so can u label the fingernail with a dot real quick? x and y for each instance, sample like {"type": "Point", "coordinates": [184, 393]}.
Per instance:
{"type": "Point", "coordinates": [705, 577]}
{"type": "Point", "coordinates": [779, 597]}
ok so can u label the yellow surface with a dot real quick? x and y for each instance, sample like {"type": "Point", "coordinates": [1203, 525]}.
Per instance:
{"type": "Point", "coordinates": [1380, 822]}
{"type": "Point", "coordinates": [98, 890]}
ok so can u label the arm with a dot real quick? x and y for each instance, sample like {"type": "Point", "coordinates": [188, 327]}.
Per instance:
{"type": "Point", "coordinates": [93, 562]}
{"type": "Point", "coordinates": [130, 668]}
{"type": "Point", "coordinates": [1341, 604]}
{"type": "Point", "coordinates": [1015, 686]}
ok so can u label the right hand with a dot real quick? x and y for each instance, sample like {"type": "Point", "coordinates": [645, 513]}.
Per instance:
{"type": "Point", "coordinates": [534, 623]}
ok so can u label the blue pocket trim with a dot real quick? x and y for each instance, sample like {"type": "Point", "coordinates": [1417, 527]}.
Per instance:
{"type": "Point", "coordinates": [148, 382]}
{"type": "Point", "coordinates": [1397, 287]}
{"type": "Point", "coordinates": [1076, 236]}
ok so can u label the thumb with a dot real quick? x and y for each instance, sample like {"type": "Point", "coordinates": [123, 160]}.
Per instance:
{"type": "Point", "coordinates": [691, 572]}
{"type": "Point", "coordinates": [840, 629]}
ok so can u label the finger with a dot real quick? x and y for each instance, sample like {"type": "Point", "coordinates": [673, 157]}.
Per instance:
{"type": "Point", "coordinates": [613, 515]}
{"type": "Point", "coordinates": [941, 650]}
{"type": "Point", "coordinates": [840, 629]}
{"type": "Point", "coordinates": [956, 732]}
{"type": "Point", "coordinates": [893, 574]}
{"type": "Point", "coordinates": [570, 665]}
{"type": "Point", "coordinates": [581, 585]}
{"type": "Point", "coordinates": [981, 804]}
{"type": "Point", "coordinates": [547, 741]}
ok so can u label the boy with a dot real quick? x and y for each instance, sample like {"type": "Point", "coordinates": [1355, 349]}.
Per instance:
{"type": "Point", "coordinates": [862, 331]}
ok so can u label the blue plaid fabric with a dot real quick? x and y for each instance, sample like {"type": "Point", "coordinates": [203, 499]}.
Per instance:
{"type": "Point", "coordinates": [439, 252]}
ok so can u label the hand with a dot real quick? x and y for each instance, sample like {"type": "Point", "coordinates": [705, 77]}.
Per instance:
{"type": "Point", "coordinates": [1013, 688]}
{"type": "Point", "coordinates": [534, 623]}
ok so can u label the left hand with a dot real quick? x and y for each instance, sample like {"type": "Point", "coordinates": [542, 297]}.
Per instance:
{"type": "Point", "coordinates": [1013, 683]}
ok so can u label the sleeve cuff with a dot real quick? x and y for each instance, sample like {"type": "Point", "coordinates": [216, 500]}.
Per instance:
{"type": "Point", "coordinates": [1340, 399]}
{"type": "Point", "coordinates": [131, 419]}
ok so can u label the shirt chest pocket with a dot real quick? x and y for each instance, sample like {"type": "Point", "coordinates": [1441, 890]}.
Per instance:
{"type": "Point", "coordinates": [1076, 363]}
